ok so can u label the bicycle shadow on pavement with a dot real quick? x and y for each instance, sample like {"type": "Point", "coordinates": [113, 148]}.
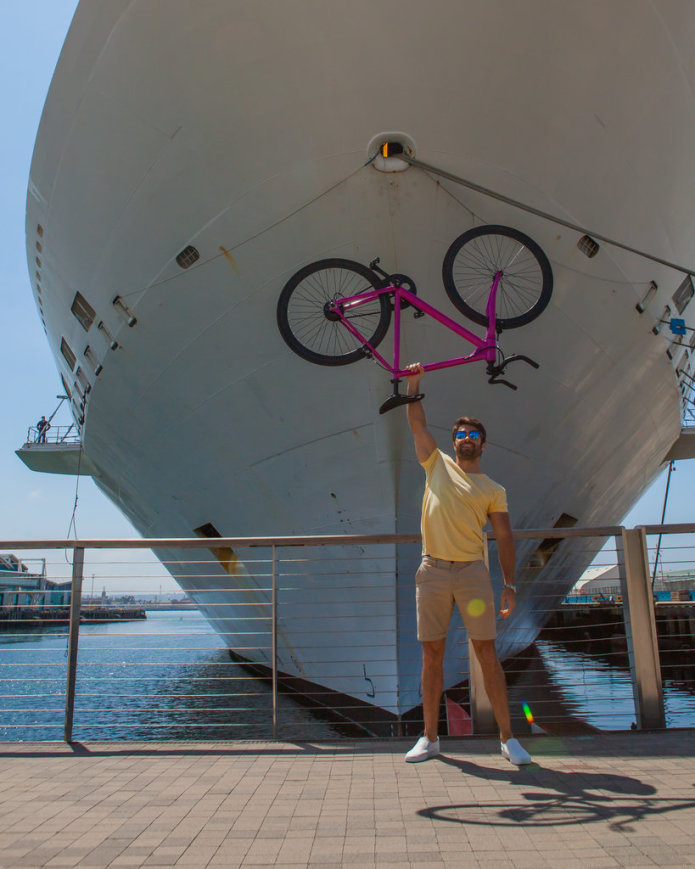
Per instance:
{"type": "Point", "coordinates": [553, 797]}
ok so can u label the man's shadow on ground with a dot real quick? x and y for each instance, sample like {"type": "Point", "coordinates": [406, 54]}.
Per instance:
{"type": "Point", "coordinates": [566, 798]}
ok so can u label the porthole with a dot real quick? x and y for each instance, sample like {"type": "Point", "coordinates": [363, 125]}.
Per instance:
{"type": "Point", "coordinates": [38, 247]}
{"type": "Point", "coordinates": [83, 311]}
{"type": "Point", "coordinates": [684, 294]}
{"type": "Point", "coordinates": [39, 229]}
{"type": "Point", "coordinates": [69, 356]}
{"type": "Point", "coordinates": [187, 257]}
{"type": "Point", "coordinates": [66, 387]}
{"type": "Point", "coordinates": [588, 246]}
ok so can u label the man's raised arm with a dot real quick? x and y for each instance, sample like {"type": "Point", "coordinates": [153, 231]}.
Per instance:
{"type": "Point", "coordinates": [425, 444]}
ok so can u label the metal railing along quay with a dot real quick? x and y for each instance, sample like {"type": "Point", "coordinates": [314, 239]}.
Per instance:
{"type": "Point", "coordinates": [171, 676]}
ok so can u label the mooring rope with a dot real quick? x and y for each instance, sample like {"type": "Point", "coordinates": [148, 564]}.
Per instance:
{"type": "Point", "coordinates": [500, 197]}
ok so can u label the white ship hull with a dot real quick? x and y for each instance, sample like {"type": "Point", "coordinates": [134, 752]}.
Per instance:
{"type": "Point", "coordinates": [243, 129]}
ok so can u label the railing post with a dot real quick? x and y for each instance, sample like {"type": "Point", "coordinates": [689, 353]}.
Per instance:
{"type": "Point", "coordinates": [482, 716]}
{"type": "Point", "coordinates": [274, 608]}
{"type": "Point", "coordinates": [640, 627]}
{"type": "Point", "coordinates": [73, 638]}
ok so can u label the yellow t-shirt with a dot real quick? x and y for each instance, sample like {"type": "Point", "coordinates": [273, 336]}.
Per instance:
{"type": "Point", "coordinates": [455, 509]}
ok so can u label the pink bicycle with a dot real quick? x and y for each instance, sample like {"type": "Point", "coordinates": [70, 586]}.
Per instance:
{"type": "Point", "coordinates": [336, 311]}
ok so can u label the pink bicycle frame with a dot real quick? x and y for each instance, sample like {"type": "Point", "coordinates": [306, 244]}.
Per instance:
{"type": "Point", "coordinates": [486, 348]}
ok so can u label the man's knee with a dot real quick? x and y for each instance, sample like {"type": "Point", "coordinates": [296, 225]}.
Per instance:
{"type": "Point", "coordinates": [433, 652]}
{"type": "Point", "coordinates": [485, 652]}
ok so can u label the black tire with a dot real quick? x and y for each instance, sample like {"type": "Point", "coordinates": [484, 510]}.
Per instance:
{"type": "Point", "coordinates": [474, 259]}
{"type": "Point", "coordinates": [302, 318]}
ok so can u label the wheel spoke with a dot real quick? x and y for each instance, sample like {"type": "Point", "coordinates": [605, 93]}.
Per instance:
{"type": "Point", "coordinates": [302, 312]}
{"type": "Point", "coordinates": [478, 255]}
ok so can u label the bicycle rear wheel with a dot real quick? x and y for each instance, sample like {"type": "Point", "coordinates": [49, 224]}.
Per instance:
{"type": "Point", "coordinates": [309, 329]}
{"type": "Point", "coordinates": [473, 260]}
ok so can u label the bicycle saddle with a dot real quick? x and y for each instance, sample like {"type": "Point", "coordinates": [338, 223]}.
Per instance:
{"type": "Point", "coordinates": [397, 400]}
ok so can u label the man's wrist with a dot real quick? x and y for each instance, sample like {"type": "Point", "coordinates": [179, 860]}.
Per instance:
{"type": "Point", "coordinates": [510, 586]}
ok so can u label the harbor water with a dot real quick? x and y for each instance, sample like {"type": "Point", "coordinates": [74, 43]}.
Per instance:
{"type": "Point", "coordinates": [166, 677]}
{"type": "Point", "coordinates": [170, 677]}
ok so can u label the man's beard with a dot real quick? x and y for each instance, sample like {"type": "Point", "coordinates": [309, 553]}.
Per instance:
{"type": "Point", "coordinates": [469, 454]}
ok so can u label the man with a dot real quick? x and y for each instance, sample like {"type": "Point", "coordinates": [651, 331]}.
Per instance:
{"type": "Point", "coordinates": [42, 426]}
{"type": "Point", "coordinates": [459, 500]}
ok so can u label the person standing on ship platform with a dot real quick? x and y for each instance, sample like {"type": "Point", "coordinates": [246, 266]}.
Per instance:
{"type": "Point", "coordinates": [459, 499]}
{"type": "Point", "coordinates": [42, 427]}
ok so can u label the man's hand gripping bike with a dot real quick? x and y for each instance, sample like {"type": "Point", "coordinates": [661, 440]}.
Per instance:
{"type": "Point", "coordinates": [336, 311]}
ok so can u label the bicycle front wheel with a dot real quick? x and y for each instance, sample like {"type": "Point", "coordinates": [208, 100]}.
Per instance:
{"type": "Point", "coordinates": [473, 260]}
{"type": "Point", "coordinates": [312, 331]}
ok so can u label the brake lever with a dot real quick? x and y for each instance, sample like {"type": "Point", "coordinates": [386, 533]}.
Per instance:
{"type": "Point", "coordinates": [518, 357]}
{"type": "Point", "coordinates": [495, 379]}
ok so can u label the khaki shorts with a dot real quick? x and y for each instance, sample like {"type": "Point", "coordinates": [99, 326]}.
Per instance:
{"type": "Point", "coordinates": [439, 583]}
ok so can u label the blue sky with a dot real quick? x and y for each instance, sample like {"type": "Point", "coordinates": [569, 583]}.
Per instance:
{"type": "Point", "coordinates": [41, 506]}
{"type": "Point", "coordinates": [37, 505]}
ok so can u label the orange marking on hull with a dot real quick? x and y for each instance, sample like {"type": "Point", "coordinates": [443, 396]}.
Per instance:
{"type": "Point", "coordinates": [229, 257]}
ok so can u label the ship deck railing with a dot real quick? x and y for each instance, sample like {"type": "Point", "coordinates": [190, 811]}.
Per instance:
{"type": "Point", "coordinates": [301, 582]}
{"type": "Point", "coordinates": [56, 434]}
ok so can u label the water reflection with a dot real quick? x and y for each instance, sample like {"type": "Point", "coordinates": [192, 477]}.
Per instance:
{"type": "Point", "coordinates": [19, 634]}
{"type": "Point", "coordinates": [595, 683]}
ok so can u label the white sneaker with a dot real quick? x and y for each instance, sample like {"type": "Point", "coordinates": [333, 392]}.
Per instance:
{"type": "Point", "coordinates": [423, 750]}
{"type": "Point", "coordinates": [515, 752]}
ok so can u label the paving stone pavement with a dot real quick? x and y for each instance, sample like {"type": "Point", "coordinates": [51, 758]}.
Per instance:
{"type": "Point", "coordinates": [602, 800]}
